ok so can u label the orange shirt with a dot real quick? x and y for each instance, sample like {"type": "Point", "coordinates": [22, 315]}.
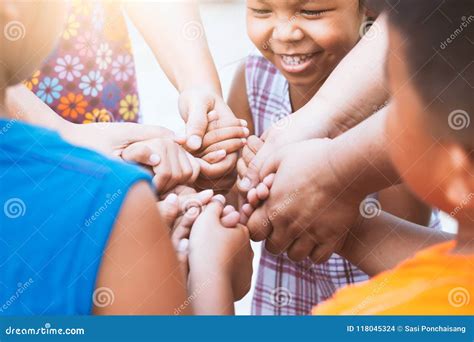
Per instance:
{"type": "Point", "coordinates": [433, 282]}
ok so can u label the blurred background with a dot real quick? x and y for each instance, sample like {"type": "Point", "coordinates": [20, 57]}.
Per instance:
{"type": "Point", "coordinates": [224, 24]}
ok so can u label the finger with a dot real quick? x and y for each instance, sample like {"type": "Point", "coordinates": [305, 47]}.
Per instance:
{"type": "Point", "coordinates": [215, 157]}
{"type": "Point", "coordinates": [196, 125]}
{"type": "Point", "coordinates": [186, 168]}
{"type": "Point", "coordinates": [264, 163]}
{"type": "Point", "coordinates": [195, 166]}
{"type": "Point", "coordinates": [301, 248]}
{"type": "Point", "coordinates": [320, 254]}
{"type": "Point", "coordinates": [197, 200]}
{"type": "Point", "coordinates": [252, 198]}
{"type": "Point", "coordinates": [183, 252]}
{"type": "Point", "coordinates": [179, 233]}
{"type": "Point", "coordinates": [247, 154]}
{"type": "Point", "coordinates": [259, 225]}
{"type": "Point", "coordinates": [169, 209]}
{"type": "Point", "coordinates": [278, 241]}
{"type": "Point", "coordinates": [162, 173]}
{"type": "Point", "coordinates": [218, 170]}
{"type": "Point", "coordinates": [227, 210]}
{"type": "Point", "coordinates": [211, 116]}
{"type": "Point", "coordinates": [254, 143]}
{"type": "Point", "coordinates": [214, 209]}
{"type": "Point", "coordinates": [174, 170]}
{"type": "Point", "coordinates": [262, 192]}
{"type": "Point", "coordinates": [230, 146]}
{"type": "Point", "coordinates": [268, 180]}
{"type": "Point", "coordinates": [241, 168]}
{"type": "Point", "coordinates": [225, 133]}
{"type": "Point", "coordinates": [230, 220]}
{"type": "Point", "coordinates": [247, 209]}
{"type": "Point", "coordinates": [182, 190]}
{"type": "Point", "coordinates": [142, 154]}
{"type": "Point", "coordinates": [225, 122]}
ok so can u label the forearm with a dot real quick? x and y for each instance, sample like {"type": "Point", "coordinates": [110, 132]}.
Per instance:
{"type": "Point", "coordinates": [180, 47]}
{"type": "Point", "coordinates": [360, 157]}
{"type": "Point", "coordinates": [25, 105]}
{"type": "Point", "coordinates": [380, 243]}
{"type": "Point", "coordinates": [210, 295]}
{"type": "Point", "coordinates": [354, 90]}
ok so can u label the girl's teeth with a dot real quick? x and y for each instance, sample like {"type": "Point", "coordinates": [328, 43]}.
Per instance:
{"type": "Point", "coordinates": [295, 60]}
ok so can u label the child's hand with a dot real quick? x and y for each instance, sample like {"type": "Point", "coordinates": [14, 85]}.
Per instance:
{"type": "Point", "coordinates": [256, 196]}
{"type": "Point", "coordinates": [217, 251]}
{"type": "Point", "coordinates": [180, 209]}
{"type": "Point", "coordinates": [223, 137]}
{"type": "Point", "coordinates": [171, 164]}
{"type": "Point", "coordinates": [249, 151]}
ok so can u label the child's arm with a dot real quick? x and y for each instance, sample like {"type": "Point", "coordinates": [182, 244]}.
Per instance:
{"type": "Point", "coordinates": [380, 243]}
{"type": "Point", "coordinates": [221, 271]}
{"type": "Point", "coordinates": [139, 266]}
{"type": "Point", "coordinates": [107, 138]}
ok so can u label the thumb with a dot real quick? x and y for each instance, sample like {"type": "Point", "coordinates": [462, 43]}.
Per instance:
{"type": "Point", "coordinates": [252, 177]}
{"type": "Point", "coordinates": [196, 120]}
{"type": "Point", "coordinates": [214, 208]}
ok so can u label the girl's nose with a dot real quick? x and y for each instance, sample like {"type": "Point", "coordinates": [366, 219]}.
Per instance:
{"type": "Point", "coordinates": [287, 31]}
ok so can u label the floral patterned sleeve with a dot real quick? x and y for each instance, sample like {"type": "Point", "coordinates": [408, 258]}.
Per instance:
{"type": "Point", "coordinates": [90, 77]}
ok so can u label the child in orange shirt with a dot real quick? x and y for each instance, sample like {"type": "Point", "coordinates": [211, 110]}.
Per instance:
{"type": "Point", "coordinates": [431, 144]}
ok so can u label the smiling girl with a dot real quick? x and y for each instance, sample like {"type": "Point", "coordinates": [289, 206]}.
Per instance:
{"type": "Point", "coordinates": [300, 43]}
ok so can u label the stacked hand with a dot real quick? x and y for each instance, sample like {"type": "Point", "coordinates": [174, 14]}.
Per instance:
{"type": "Point", "coordinates": [308, 211]}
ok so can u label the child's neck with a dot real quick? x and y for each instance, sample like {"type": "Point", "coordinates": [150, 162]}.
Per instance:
{"type": "Point", "coordinates": [300, 95]}
{"type": "Point", "coordinates": [465, 238]}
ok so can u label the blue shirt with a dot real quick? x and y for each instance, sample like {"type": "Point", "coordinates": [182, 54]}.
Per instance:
{"type": "Point", "coordinates": [58, 205]}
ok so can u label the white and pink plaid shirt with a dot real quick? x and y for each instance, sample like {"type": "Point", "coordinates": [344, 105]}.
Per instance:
{"type": "Point", "coordinates": [285, 287]}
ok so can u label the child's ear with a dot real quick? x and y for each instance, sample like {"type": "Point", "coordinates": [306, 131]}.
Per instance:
{"type": "Point", "coordinates": [460, 183]}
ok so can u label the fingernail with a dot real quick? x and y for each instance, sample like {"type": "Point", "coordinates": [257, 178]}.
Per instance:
{"type": "Point", "coordinates": [155, 159]}
{"type": "Point", "coordinates": [244, 123]}
{"type": "Point", "coordinates": [193, 211]}
{"type": "Point", "coordinates": [246, 131]}
{"type": "Point", "coordinates": [194, 142]}
{"type": "Point", "coordinates": [171, 199]}
{"type": "Point", "coordinates": [219, 154]}
{"type": "Point", "coordinates": [183, 245]}
{"type": "Point", "coordinates": [207, 193]}
{"type": "Point", "coordinates": [245, 183]}
{"type": "Point", "coordinates": [219, 198]}
{"type": "Point", "coordinates": [244, 141]}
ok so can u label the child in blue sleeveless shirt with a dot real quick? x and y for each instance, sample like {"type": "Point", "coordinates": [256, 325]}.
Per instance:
{"type": "Point", "coordinates": [80, 233]}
